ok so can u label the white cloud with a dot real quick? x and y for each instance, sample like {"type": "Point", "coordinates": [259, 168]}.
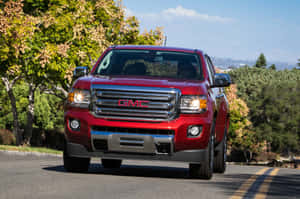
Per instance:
{"type": "Point", "coordinates": [180, 12]}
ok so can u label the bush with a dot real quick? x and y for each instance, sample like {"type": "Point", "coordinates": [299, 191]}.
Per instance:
{"type": "Point", "coordinates": [236, 156]}
{"type": "Point", "coordinates": [53, 139]}
{"type": "Point", "coordinates": [266, 156]}
{"type": "Point", "coordinates": [7, 137]}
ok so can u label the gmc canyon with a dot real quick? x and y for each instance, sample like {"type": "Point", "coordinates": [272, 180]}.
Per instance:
{"type": "Point", "coordinates": [148, 103]}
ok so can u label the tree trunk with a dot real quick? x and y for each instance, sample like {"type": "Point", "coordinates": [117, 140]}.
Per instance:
{"type": "Point", "coordinates": [64, 91]}
{"type": "Point", "coordinates": [246, 156]}
{"type": "Point", "coordinates": [30, 114]}
{"type": "Point", "coordinates": [16, 127]}
{"type": "Point", "coordinates": [63, 94]}
{"type": "Point", "coordinates": [250, 156]}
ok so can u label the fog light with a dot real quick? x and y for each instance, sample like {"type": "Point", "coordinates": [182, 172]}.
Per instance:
{"type": "Point", "coordinates": [75, 125]}
{"type": "Point", "coordinates": [194, 131]}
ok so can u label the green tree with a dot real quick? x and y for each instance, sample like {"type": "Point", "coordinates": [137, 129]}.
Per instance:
{"type": "Point", "coordinates": [6, 116]}
{"type": "Point", "coordinates": [28, 61]}
{"type": "Point", "coordinates": [16, 32]}
{"type": "Point", "coordinates": [74, 34]}
{"type": "Point", "coordinates": [273, 67]}
{"type": "Point", "coordinates": [49, 111]}
{"type": "Point", "coordinates": [278, 119]}
{"type": "Point", "coordinates": [273, 99]}
{"type": "Point", "coordinates": [241, 137]}
{"type": "Point", "coordinates": [298, 62]}
{"type": "Point", "coordinates": [55, 37]}
{"type": "Point", "coordinates": [261, 61]}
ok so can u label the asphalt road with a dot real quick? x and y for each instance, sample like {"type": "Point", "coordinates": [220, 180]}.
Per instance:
{"type": "Point", "coordinates": [44, 177]}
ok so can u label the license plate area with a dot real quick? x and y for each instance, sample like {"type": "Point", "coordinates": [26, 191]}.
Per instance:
{"type": "Point", "coordinates": [131, 143]}
{"type": "Point", "coordinates": [126, 141]}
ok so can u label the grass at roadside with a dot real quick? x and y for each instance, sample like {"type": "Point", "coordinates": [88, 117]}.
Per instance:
{"type": "Point", "coordinates": [29, 149]}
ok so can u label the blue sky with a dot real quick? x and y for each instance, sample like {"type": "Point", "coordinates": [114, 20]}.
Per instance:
{"type": "Point", "coordinates": [238, 29]}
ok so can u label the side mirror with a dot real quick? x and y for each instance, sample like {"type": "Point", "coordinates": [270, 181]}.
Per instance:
{"type": "Point", "coordinates": [80, 71]}
{"type": "Point", "coordinates": [222, 80]}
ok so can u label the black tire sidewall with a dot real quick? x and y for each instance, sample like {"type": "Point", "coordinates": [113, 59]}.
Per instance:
{"type": "Point", "coordinates": [220, 158]}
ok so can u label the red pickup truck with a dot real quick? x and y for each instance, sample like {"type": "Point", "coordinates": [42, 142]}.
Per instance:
{"type": "Point", "coordinates": [148, 103]}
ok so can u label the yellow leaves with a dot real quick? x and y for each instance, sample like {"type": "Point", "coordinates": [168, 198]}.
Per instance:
{"type": "Point", "coordinates": [236, 104]}
{"type": "Point", "coordinates": [83, 9]}
{"type": "Point", "coordinates": [13, 70]}
{"type": "Point", "coordinates": [245, 140]}
{"type": "Point", "coordinates": [74, 32]}
{"type": "Point", "coordinates": [44, 58]}
{"type": "Point", "coordinates": [3, 24]}
{"type": "Point", "coordinates": [77, 31]}
{"type": "Point", "coordinates": [231, 93]}
{"type": "Point", "coordinates": [89, 13]}
{"type": "Point", "coordinates": [120, 15]}
{"type": "Point", "coordinates": [104, 4]}
{"type": "Point", "coordinates": [13, 8]}
{"type": "Point", "coordinates": [16, 27]}
{"type": "Point", "coordinates": [159, 36]}
{"type": "Point", "coordinates": [97, 34]}
{"type": "Point", "coordinates": [81, 55]}
{"type": "Point", "coordinates": [133, 22]}
{"type": "Point", "coordinates": [62, 49]}
{"type": "Point", "coordinates": [81, 5]}
{"type": "Point", "coordinates": [45, 55]}
{"type": "Point", "coordinates": [244, 137]}
{"type": "Point", "coordinates": [69, 74]}
{"type": "Point", "coordinates": [151, 37]}
{"type": "Point", "coordinates": [48, 20]}
{"type": "Point", "coordinates": [239, 105]}
{"type": "Point", "coordinates": [4, 50]}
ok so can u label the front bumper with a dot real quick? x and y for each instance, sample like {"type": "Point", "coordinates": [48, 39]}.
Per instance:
{"type": "Point", "coordinates": [180, 140]}
{"type": "Point", "coordinates": [191, 156]}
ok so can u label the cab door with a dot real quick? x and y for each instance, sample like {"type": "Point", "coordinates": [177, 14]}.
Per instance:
{"type": "Point", "coordinates": [221, 105]}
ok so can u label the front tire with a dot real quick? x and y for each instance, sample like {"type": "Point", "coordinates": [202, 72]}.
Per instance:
{"type": "Point", "coordinates": [75, 164]}
{"type": "Point", "coordinates": [220, 158]}
{"type": "Point", "coordinates": [204, 170]}
{"type": "Point", "coordinates": [111, 163]}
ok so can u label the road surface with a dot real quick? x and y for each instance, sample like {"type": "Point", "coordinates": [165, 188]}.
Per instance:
{"type": "Point", "coordinates": [32, 177]}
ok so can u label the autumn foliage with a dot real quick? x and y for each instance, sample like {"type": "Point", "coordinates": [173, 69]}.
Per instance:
{"type": "Point", "coordinates": [241, 137]}
{"type": "Point", "coordinates": [41, 42]}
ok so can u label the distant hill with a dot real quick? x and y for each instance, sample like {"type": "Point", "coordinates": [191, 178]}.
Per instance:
{"type": "Point", "coordinates": [225, 63]}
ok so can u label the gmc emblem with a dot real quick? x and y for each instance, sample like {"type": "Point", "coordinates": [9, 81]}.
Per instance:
{"type": "Point", "coordinates": [131, 103]}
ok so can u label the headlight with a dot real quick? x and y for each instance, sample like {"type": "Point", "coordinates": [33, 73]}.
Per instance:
{"type": "Point", "coordinates": [79, 98]}
{"type": "Point", "coordinates": [193, 104]}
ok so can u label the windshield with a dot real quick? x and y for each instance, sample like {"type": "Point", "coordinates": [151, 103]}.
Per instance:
{"type": "Point", "coordinates": [152, 63]}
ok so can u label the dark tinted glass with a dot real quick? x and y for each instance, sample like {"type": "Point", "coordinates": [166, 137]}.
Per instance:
{"type": "Point", "coordinates": [151, 63]}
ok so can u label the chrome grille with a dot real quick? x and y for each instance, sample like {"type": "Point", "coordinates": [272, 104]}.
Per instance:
{"type": "Point", "coordinates": [135, 103]}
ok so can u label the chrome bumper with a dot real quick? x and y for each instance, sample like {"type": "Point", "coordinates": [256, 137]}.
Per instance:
{"type": "Point", "coordinates": [132, 142]}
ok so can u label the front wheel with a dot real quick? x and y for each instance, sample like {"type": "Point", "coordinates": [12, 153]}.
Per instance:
{"type": "Point", "coordinates": [220, 158]}
{"type": "Point", "coordinates": [204, 170]}
{"type": "Point", "coordinates": [75, 164]}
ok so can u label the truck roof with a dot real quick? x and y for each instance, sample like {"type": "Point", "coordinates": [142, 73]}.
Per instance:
{"type": "Point", "coordinates": [149, 47]}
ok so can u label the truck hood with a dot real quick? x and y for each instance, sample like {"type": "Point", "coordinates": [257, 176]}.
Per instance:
{"type": "Point", "coordinates": [187, 87]}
